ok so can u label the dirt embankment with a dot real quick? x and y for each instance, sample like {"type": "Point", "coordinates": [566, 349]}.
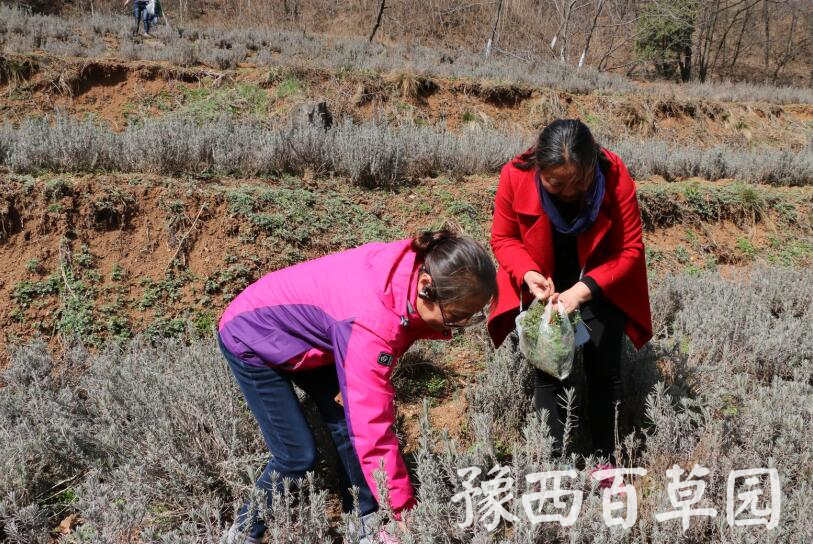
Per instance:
{"type": "Point", "coordinates": [115, 92]}
{"type": "Point", "coordinates": [111, 255]}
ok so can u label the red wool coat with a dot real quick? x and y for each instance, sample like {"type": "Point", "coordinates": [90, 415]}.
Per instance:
{"type": "Point", "coordinates": [611, 251]}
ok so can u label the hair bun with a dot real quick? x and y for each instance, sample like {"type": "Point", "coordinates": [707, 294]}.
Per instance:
{"type": "Point", "coordinates": [426, 240]}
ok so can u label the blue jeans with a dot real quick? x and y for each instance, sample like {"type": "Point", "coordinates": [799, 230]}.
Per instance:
{"type": "Point", "coordinates": [140, 12]}
{"type": "Point", "coordinates": [271, 398]}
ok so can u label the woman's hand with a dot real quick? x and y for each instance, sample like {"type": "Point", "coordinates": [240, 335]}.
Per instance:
{"type": "Point", "coordinates": [402, 526]}
{"type": "Point", "coordinates": [572, 298]}
{"type": "Point", "coordinates": [540, 286]}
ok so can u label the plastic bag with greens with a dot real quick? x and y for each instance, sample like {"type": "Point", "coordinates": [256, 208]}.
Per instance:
{"type": "Point", "coordinates": [547, 337]}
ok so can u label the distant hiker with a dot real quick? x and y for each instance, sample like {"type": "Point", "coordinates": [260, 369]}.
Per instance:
{"type": "Point", "coordinates": [154, 12]}
{"type": "Point", "coordinates": [141, 11]}
{"type": "Point", "coordinates": [567, 227]}
{"type": "Point", "coordinates": [339, 324]}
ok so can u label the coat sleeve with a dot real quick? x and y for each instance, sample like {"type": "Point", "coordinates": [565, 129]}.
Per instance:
{"type": "Point", "coordinates": [505, 235]}
{"type": "Point", "coordinates": [364, 364]}
{"type": "Point", "coordinates": [625, 263]}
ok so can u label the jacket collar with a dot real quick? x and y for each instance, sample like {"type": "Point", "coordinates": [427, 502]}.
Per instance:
{"type": "Point", "coordinates": [392, 267]}
{"type": "Point", "coordinates": [398, 289]}
{"type": "Point", "coordinates": [526, 197]}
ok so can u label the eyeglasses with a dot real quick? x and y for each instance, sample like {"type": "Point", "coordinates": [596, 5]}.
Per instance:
{"type": "Point", "coordinates": [476, 318]}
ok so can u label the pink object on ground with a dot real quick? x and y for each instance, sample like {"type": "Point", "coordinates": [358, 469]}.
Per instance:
{"type": "Point", "coordinates": [385, 538]}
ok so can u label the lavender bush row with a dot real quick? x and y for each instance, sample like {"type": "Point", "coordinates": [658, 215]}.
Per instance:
{"type": "Point", "coordinates": [126, 437]}
{"type": "Point", "coordinates": [372, 153]}
{"type": "Point", "coordinates": [152, 443]}
{"type": "Point", "coordinates": [21, 32]}
{"type": "Point", "coordinates": [646, 158]}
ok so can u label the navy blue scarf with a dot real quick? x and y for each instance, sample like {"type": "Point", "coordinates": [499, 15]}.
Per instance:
{"type": "Point", "coordinates": [588, 211]}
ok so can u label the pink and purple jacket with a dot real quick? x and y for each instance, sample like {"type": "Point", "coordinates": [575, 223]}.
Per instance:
{"type": "Point", "coordinates": [354, 309]}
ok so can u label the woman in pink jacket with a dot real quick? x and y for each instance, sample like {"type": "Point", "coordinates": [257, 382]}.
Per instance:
{"type": "Point", "coordinates": [338, 324]}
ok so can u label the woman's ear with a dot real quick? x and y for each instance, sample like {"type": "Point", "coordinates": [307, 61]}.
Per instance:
{"type": "Point", "coordinates": [425, 289]}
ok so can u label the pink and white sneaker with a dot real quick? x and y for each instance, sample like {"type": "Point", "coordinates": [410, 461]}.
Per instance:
{"type": "Point", "coordinates": [385, 538]}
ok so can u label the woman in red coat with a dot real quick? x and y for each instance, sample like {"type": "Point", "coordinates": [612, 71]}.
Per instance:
{"type": "Point", "coordinates": [567, 227]}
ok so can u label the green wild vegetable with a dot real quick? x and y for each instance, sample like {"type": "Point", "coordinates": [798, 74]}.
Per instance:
{"type": "Point", "coordinates": [553, 352]}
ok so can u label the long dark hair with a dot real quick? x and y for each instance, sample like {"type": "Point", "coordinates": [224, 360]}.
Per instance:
{"type": "Point", "coordinates": [564, 141]}
{"type": "Point", "coordinates": [460, 267]}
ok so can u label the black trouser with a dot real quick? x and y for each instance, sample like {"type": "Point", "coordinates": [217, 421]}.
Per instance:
{"type": "Point", "coordinates": [602, 362]}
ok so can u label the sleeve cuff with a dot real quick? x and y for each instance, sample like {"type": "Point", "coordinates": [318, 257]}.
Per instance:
{"type": "Point", "coordinates": [409, 505]}
{"type": "Point", "coordinates": [595, 290]}
{"type": "Point", "coordinates": [529, 267]}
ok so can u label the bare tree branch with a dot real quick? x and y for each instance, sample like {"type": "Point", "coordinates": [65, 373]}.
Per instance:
{"type": "Point", "coordinates": [377, 21]}
{"type": "Point", "coordinates": [491, 41]}
{"type": "Point", "coordinates": [590, 34]}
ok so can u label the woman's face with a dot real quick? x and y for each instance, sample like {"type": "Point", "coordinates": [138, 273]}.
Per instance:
{"type": "Point", "coordinates": [567, 181]}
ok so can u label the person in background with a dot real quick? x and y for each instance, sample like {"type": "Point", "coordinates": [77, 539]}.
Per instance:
{"type": "Point", "coordinates": [339, 324]}
{"type": "Point", "coordinates": [140, 12]}
{"type": "Point", "coordinates": [567, 227]}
